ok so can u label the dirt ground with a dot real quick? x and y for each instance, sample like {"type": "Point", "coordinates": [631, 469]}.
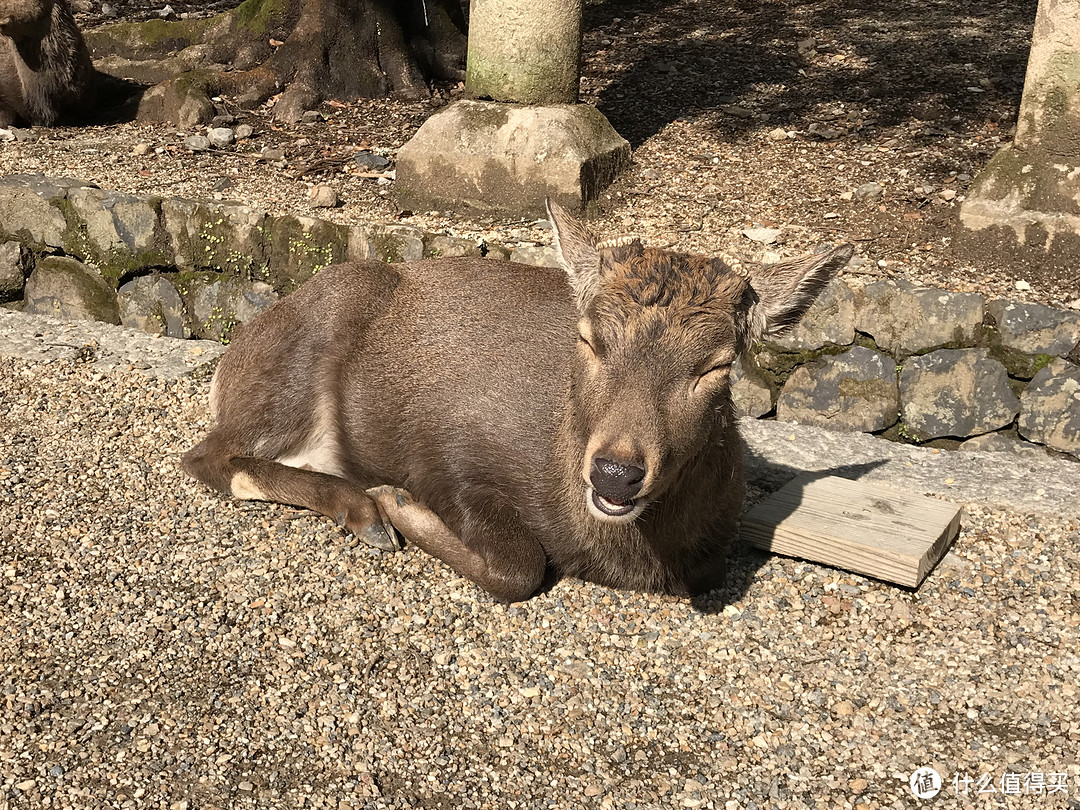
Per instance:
{"type": "Point", "coordinates": [741, 113]}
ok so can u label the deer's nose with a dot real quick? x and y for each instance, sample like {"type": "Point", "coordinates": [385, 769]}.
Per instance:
{"type": "Point", "coordinates": [617, 481]}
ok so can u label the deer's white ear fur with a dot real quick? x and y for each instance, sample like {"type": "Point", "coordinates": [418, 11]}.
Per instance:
{"type": "Point", "coordinates": [575, 248]}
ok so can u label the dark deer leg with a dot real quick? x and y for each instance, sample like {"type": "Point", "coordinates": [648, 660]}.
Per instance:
{"type": "Point", "coordinates": [513, 573]}
{"type": "Point", "coordinates": [261, 479]}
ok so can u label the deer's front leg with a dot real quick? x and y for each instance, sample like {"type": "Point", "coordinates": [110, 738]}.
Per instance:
{"type": "Point", "coordinates": [501, 556]}
{"type": "Point", "coordinates": [337, 498]}
{"type": "Point", "coordinates": [258, 479]}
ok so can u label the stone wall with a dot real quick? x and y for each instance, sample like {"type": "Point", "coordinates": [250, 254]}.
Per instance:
{"type": "Point", "coordinates": [923, 365]}
{"type": "Point", "coordinates": [172, 266]}
{"type": "Point", "coordinates": [883, 357]}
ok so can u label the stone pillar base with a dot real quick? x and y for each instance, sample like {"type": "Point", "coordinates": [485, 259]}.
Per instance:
{"type": "Point", "coordinates": [1024, 203]}
{"type": "Point", "coordinates": [507, 158]}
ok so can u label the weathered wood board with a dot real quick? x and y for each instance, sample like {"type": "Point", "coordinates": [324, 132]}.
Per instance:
{"type": "Point", "coordinates": [870, 529]}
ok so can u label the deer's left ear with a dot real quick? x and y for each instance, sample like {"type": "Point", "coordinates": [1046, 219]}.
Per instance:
{"type": "Point", "coordinates": [576, 250]}
{"type": "Point", "coordinates": [783, 291]}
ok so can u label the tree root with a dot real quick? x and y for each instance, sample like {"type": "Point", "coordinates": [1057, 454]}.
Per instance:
{"type": "Point", "coordinates": [303, 51]}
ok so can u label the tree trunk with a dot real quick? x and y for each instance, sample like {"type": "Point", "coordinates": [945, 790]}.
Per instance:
{"type": "Point", "coordinates": [309, 50]}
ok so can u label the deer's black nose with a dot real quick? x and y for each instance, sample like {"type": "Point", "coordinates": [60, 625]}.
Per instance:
{"type": "Point", "coordinates": [615, 480]}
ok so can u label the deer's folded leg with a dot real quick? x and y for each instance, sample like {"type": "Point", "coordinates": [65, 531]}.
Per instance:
{"type": "Point", "coordinates": [498, 555]}
{"type": "Point", "coordinates": [260, 479]}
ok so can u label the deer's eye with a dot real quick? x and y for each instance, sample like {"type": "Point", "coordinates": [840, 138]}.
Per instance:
{"type": "Point", "coordinates": [586, 336]}
{"type": "Point", "coordinates": [710, 377]}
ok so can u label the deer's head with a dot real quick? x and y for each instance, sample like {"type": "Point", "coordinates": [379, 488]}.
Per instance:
{"type": "Point", "coordinates": [657, 335]}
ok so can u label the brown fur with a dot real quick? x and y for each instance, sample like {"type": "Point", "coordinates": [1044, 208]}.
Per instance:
{"type": "Point", "coordinates": [45, 70]}
{"type": "Point", "coordinates": [463, 404]}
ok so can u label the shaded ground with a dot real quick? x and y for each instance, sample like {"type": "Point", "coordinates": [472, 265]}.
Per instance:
{"type": "Point", "coordinates": [915, 94]}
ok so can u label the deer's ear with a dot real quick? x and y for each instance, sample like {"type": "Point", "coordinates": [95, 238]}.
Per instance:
{"type": "Point", "coordinates": [782, 292]}
{"type": "Point", "coordinates": [575, 248]}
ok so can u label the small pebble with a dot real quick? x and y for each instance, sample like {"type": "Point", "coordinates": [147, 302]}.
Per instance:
{"type": "Point", "coordinates": [322, 196]}
{"type": "Point", "coordinates": [869, 192]}
{"type": "Point", "coordinates": [24, 135]}
{"type": "Point", "coordinates": [197, 143]}
{"type": "Point", "coordinates": [221, 137]}
{"type": "Point", "coordinates": [369, 160]}
{"type": "Point", "coordinates": [765, 236]}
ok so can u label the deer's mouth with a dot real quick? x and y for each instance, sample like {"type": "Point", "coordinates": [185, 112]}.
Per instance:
{"type": "Point", "coordinates": [611, 510]}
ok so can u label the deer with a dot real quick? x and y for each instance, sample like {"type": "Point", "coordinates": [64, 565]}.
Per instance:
{"type": "Point", "coordinates": [46, 73]}
{"type": "Point", "coordinates": [521, 424]}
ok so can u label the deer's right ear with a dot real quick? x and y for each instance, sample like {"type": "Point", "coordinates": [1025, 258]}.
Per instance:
{"type": "Point", "coordinates": [576, 250]}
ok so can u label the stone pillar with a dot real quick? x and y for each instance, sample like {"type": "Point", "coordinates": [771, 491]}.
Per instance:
{"type": "Point", "coordinates": [522, 138]}
{"type": "Point", "coordinates": [525, 51]}
{"type": "Point", "coordinates": [1028, 196]}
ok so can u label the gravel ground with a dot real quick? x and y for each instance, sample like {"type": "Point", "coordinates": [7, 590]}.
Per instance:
{"type": "Point", "coordinates": [161, 646]}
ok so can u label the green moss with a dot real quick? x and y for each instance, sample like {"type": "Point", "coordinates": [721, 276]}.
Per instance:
{"type": "Point", "coordinates": [151, 37]}
{"type": "Point", "coordinates": [216, 241]}
{"type": "Point", "coordinates": [95, 296]}
{"type": "Point", "coordinates": [389, 246]}
{"type": "Point", "coordinates": [539, 81]}
{"type": "Point", "coordinates": [115, 264]}
{"type": "Point", "coordinates": [1003, 175]}
{"type": "Point", "coordinates": [776, 365]}
{"type": "Point", "coordinates": [187, 281]}
{"type": "Point", "coordinates": [200, 83]}
{"type": "Point", "coordinates": [260, 16]}
{"type": "Point", "coordinates": [900, 432]}
{"type": "Point", "coordinates": [1018, 364]}
{"type": "Point", "coordinates": [1041, 361]}
{"type": "Point", "coordinates": [298, 250]}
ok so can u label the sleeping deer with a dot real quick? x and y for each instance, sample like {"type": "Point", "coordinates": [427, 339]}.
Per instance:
{"type": "Point", "coordinates": [512, 421]}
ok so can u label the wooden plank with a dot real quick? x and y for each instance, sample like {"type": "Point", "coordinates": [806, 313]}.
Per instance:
{"type": "Point", "coordinates": [870, 529]}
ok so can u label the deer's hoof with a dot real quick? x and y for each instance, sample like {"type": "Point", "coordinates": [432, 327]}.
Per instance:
{"type": "Point", "coordinates": [380, 536]}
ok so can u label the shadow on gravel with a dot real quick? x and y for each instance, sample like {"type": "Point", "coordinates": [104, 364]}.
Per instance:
{"type": "Point", "coordinates": [117, 100]}
{"type": "Point", "coordinates": [741, 62]}
{"type": "Point", "coordinates": [744, 561]}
